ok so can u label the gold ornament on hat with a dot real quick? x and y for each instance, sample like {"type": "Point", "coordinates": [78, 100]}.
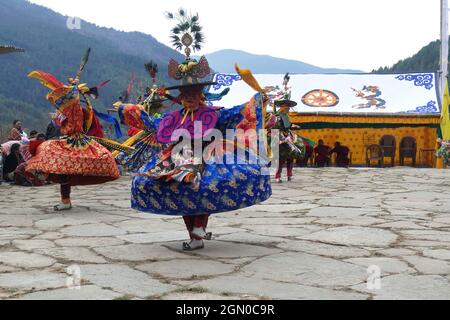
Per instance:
{"type": "Point", "coordinates": [187, 36]}
{"type": "Point", "coordinates": [187, 32]}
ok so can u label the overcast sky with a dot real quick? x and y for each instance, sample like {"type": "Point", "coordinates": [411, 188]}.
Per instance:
{"type": "Point", "coordinates": [351, 34]}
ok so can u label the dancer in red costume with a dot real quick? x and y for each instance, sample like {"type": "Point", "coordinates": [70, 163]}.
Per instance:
{"type": "Point", "coordinates": [74, 158]}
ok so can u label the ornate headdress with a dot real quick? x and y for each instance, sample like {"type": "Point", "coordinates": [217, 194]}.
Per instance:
{"type": "Point", "coordinates": [61, 93]}
{"type": "Point", "coordinates": [188, 34]}
{"type": "Point", "coordinates": [286, 94]}
{"type": "Point", "coordinates": [66, 95]}
{"type": "Point", "coordinates": [154, 94]}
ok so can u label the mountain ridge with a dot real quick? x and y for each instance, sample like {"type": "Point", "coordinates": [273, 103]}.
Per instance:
{"type": "Point", "coordinates": [52, 47]}
{"type": "Point", "coordinates": [425, 60]}
{"type": "Point", "coordinates": [223, 61]}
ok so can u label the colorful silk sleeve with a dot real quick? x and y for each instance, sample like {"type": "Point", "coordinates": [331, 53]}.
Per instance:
{"type": "Point", "coordinates": [229, 118]}
{"type": "Point", "coordinates": [111, 120]}
{"type": "Point", "coordinates": [151, 123]}
{"type": "Point", "coordinates": [134, 116]}
{"type": "Point", "coordinates": [130, 115]}
{"type": "Point", "coordinates": [246, 116]}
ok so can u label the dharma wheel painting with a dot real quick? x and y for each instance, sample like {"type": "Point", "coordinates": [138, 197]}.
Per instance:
{"type": "Point", "coordinates": [320, 98]}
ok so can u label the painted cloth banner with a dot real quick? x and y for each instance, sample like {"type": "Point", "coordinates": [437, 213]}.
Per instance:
{"type": "Point", "coordinates": [414, 93]}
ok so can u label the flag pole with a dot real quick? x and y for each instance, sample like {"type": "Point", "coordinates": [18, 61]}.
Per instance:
{"type": "Point", "coordinates": [443, 72]}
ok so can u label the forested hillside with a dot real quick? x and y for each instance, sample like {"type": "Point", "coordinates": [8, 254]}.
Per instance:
{"type": "Point", "coordinates": [52, 47]}
{"type": "Point", "coordinates": [426, 60]}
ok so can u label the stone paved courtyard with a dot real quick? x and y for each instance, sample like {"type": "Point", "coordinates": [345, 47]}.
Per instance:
{"type": "Point", "coordinates": [325, 235]}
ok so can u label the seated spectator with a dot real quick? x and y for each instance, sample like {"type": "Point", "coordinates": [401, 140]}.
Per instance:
{"type": "Point", "coordinates": [26, 148]}
{"type": "Point", "coordinates": [322, 155]}
{"type": "Point", "coordinates": [16, 132]}
{"type": "Point", "coordinates": [11, 162]}
{"type": "Point", "coordinates": [5, 148]}
{"type": "Point", "coordinates": [23, 178]}
{"type": "Point", "coordinates": [33, 134]}
{"type": "Point", "coordinates": [342, 152]}
{"type": "Point", "coordinates": [26, 179]}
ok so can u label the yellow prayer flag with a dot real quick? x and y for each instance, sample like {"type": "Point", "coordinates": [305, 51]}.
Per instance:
{"type": "Point", "coordinates": [445, 115]}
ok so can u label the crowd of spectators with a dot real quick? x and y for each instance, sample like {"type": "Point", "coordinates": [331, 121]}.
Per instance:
{"type": "Point", "coordinates": [16, 151]}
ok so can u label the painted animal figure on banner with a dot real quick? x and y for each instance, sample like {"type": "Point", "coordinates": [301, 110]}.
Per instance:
{"type": "Point", "coordinates": [372, 95]}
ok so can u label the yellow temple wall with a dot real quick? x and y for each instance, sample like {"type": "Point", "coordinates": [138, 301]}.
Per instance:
{"type": "Point", "coordinates": [358, 138]}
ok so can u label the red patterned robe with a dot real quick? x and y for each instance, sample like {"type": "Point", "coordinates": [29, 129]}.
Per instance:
{"type": "Point", "coordinates": [74, 154]}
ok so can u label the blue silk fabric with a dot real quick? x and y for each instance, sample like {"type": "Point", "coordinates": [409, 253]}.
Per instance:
{"type": "Point", "coordinates": [145, 150]}
{"type": "Point", "coordinates": [146, 147]}
{"type": "Point", "coordinates": [224, 186]}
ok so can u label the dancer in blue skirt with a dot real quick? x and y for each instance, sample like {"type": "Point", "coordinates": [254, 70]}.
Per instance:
{"type": "Point", "coordinates": [224, 176]}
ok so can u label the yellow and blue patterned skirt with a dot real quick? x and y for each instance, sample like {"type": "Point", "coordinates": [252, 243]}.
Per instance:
{"type": "Point", "coordinates": [222, 188]}
{"type": "Point", "coordinates": [145, 149]}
